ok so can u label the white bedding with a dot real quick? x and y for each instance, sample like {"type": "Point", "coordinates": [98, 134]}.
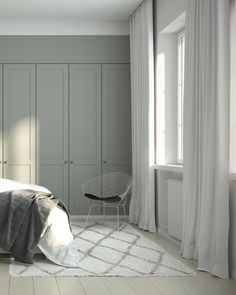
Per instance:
{"type": "Point", "coordinates": [56, 240]}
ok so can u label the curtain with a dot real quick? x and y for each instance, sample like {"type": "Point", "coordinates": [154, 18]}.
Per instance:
{"type": "Point", "coordinates": [142, 205]}
{"type": "Point", "coordinates": [206, 136]}
{"type": "Point", "coordinates": [232, 86]}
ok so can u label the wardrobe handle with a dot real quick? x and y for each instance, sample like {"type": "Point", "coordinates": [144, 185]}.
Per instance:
{"type": "Point", "coordinates": [71, 162]}
{"type": "Point", "coordinates": [65, 162]}
{"type": "Point", "coordinates": [104, 162]}
{"type": "Point", "coordinates": [4, 162]}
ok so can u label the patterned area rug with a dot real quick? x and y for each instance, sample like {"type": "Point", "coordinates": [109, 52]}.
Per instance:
{"type": "Point", "coordinates": [105, 251]}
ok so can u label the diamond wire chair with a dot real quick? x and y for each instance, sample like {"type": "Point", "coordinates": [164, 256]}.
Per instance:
{"type": "Point", "coordinates": [108, 190]}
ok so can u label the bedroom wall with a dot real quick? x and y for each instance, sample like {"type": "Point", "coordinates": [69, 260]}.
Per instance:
{"type": "Point", "coordinates": [71, 26]}
{"type": "Point", "coordinates": [167, 11]}
{"type": "Point", "coordinates": [64, 49]}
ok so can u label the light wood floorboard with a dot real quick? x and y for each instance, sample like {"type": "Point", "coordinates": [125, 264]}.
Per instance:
{"type": "Point", "coordinates": [45, 286]}
{"type": "Point", "coordinates": [4, 276]}
{"type": "Point", "coordinates": [118, 286]}
{"type": "Point", "coordinates": [192, 286]}
{"type": "Point", "coordinates": [142, 286]}
{"type": "Point", "coordinates": [69, 286]}
{"type": "Point", "coordinates": [20, 286]}
{"type": "Point", "coordinates": [94, 286]}
{"type": "Point", "coordinates": [217, 286]}
{"type": "Point", "coordinates": [201, 284]}
{"type": "Point", "coordinates": [166, 286]}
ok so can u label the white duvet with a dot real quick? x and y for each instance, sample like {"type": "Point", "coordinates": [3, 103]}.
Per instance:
{"type": "Point", "coordinates": [56, 240]}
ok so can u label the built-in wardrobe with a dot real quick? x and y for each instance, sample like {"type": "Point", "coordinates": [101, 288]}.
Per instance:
{"type": "Point", "coordinates": [63, 124]}
{"type": "Point", "coordinates": [17, 124]}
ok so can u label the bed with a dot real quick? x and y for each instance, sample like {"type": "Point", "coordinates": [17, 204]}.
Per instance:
{"type": "Point", "coordinates": [55, 239]}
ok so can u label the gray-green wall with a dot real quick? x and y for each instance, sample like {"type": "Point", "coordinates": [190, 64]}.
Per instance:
{"type": "Point", "coordinates": [64, 49]}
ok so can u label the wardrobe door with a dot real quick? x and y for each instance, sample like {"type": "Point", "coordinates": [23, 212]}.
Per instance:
{"type": "Point", "coordinates": [52, 128]}
{"type": "Point", "coordinates": [85, 131]}
{"type": "Point", "coordinates": [19, 122]}
{"type": "Point", "coordinates": [1, 141]}
{"type": "Point", "coordinates": [116, 118]}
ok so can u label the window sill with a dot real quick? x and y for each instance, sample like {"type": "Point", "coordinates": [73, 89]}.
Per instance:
{"type": "Point", "coordinates": [233, 176]}
{"type": "Point", "coordinates": [171, 168]}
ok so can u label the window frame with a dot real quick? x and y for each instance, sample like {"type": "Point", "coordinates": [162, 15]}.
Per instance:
{"type": "Point", "coordinates": [180, 93]}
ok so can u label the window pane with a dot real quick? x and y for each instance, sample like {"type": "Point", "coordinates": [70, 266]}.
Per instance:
{"type": "Point", "coordinates": [181, 54]}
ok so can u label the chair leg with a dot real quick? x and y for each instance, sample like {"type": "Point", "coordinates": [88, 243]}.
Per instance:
{"type": "Point", "coordinates": [125, 215]}
{"type": "Point", "coordinates": [118, 217]}
{"type": "Point", "coordinates": [104, 212]}
{"type": "Point", "coordinates": [91, 206]}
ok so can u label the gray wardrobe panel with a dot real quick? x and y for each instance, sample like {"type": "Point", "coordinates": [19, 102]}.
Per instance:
{"type": "Point", "coordinates": [19, 122]}
{"type": "Point", "coordinates": [116, 118]}
{"type": "Point", "coordinates": [85, 131]}
{"type": "Point", "coordinates": [52, 128]}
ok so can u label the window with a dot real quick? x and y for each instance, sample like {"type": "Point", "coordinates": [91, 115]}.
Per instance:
{"type": "Point", "coordinates": [170, 93]}
{"type": "Point", "coordinates": [180, 96]}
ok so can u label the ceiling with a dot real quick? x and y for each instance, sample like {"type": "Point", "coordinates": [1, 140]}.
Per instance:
{"type": "Point", "coordinates": [84, 10]}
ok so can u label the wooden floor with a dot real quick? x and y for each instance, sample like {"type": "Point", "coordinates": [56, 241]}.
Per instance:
{"type": "Point", "coordinates": [202, 284]}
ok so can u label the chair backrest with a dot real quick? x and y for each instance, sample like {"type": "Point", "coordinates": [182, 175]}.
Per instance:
{"type": "Point", "coordinates": [108, 185]}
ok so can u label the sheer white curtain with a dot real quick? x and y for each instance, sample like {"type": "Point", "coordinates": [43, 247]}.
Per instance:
{"type": "Point", "coordinates": [142, 206]}
{"type": "Point", "coordinates": [206, 136]}
{"type": "Point", "coordinates": [232, 86]}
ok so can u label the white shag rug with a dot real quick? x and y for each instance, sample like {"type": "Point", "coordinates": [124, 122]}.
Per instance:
{"type": "Point", "coordinates": [105, 251]}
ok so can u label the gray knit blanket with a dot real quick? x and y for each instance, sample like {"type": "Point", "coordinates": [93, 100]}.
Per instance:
{"type": "Point", "coordinates": [23, 214]}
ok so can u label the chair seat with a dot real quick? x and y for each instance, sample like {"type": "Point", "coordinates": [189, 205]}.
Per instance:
{"type": "Point", "coordinates": [109, 199]}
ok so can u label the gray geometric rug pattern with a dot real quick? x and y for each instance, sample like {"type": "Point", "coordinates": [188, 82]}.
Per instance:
{"type": "Point", "coordinates": [105, 251]}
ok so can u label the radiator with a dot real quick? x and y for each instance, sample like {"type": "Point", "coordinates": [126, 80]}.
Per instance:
{"type": "Point", "coordinates": [175, 208]}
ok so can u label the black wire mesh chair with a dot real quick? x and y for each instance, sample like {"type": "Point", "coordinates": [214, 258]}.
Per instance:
{"type": "Point", "coordinates": [108, 190]}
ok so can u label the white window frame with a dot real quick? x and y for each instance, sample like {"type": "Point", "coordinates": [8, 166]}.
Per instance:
{"type": "Point", "coordinates": [180, 94]}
